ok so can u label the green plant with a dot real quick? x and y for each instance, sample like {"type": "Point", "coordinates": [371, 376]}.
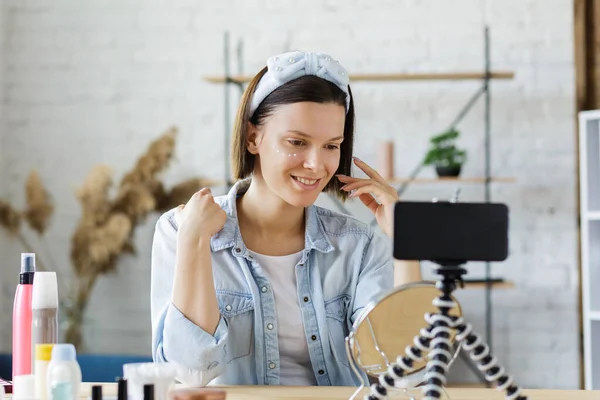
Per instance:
{"type": "Point", "coordinates": [443, 151]}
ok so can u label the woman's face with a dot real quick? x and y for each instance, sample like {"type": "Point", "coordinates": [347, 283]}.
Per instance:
{"type": "Point", "coordinates": [298, 150]}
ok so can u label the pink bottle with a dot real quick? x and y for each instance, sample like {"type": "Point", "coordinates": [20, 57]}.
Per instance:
{"type": "Point", "coordinates": [21, 347]}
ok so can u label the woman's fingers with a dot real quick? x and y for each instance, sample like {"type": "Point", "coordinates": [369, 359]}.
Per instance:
{"type": "Point", "coordinates": [377, 191]}
{"type": "Point", "coordinates": [369, 201]}
{"type": "Point", "coordinates": [369, 171]}
{"type": "Point", "coordinates": [346, 178]}
{"type": "Point", "coordinates": [359, 183]}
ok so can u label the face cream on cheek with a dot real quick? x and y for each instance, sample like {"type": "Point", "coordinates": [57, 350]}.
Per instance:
{"type": "Point", "coordinates": [283, 152]}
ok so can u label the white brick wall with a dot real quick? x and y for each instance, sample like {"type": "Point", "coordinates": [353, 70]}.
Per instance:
{"type": "Point", "coordinates": [90, 82]}
{"type": "Point", "coordinates": [6, 285]}
{"type": "Point", "coordinates": [2, 61]}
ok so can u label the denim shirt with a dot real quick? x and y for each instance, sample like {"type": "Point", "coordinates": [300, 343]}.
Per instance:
{"type": "Point", "coordinates": [344, 265]}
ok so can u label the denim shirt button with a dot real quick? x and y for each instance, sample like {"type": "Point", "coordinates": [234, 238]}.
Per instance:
{"type": "Point", "coordinates": [305, 299]}
{"type": "Point", "coordinates": [321, 372]}
{"type": "Point", "coordinates": [314, 337]}
{"type": "Point", "coordinates": [237, 250]}
{"type": "Point", "coordinates": [272, 365]}
{"type": "Point", "coordinates": [228, 307]}
{"type": "Point", "coordinates": [269, 326]}
{"type": "Point", "coordinates": [264, 289]}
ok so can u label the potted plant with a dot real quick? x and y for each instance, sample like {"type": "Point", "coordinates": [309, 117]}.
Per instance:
{"type": "Point", "coordinates": [443, 153]}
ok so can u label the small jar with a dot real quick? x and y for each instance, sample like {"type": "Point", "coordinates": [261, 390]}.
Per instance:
{"type": "Point", "coordinates": [24, 387]}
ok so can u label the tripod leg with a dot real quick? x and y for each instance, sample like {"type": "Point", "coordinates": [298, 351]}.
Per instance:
{"type": "Point", "coordinates": [404, 364]}
{"type": "Point", "coordinates": [486, 363]}
{"type": "Point", "coordinates": [469, 363]}
{"type": "Point", "coordinates": [440, 356]}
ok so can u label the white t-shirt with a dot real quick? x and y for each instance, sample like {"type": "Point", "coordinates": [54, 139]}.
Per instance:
{"type": "Point", "coordinates": [295, 366]}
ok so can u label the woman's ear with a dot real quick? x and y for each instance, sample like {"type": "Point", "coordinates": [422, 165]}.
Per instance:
{"type": "Point", "coordinates": [253, 138]}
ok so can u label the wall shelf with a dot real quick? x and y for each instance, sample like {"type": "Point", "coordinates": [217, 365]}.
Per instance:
{"type": "Point", "coordinates": [589, 197]}
{"type": "Point", "coordinates": [592, 215]}
{"type": "Point", "coordinates": [594, 316]}
{"type": "Point", "coordinates": [434, 181]}
{"type": "Point", "coordinates": [481, 284]}
{"type": "Point", "coordinates": [474, 180]}
{"type": "Point", "coordinates": [389, 77]}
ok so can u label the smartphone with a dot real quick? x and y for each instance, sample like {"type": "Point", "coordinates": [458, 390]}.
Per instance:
{"type": "Point", "coordinates": [447, 232]}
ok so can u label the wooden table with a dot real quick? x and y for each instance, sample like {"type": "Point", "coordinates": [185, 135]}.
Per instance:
{"type": "Point", "coordinates": [343, 393]}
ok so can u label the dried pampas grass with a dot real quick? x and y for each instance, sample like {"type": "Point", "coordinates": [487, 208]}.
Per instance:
{"type": "Point", "coordinates": [108, 240]}
{"type": "Point", "coordinates": [155, 159]}
{"type": "Point", "coordinates": [105, 230]}
{"type": "Point", "coordinates": [136, 201]}
{"type": "Point", "coordinates": [39, 205]}
{"type": "Point", "coordinates": [94, 192]}
{"type": "Point", "coordinates": [10, 218]}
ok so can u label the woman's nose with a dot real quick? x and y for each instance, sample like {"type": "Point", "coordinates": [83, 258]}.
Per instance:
{"type": "Point", "coordinates": [313, 160]}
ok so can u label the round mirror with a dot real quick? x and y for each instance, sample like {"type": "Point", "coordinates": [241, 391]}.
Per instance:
{"type": "Point", "coordinates": [389, 325]}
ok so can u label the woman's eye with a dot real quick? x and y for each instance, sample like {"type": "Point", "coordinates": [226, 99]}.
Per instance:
{"type": "Point", "coordinates": [333, 147]}
{"type": "Point", "coordinates": [296, 142]}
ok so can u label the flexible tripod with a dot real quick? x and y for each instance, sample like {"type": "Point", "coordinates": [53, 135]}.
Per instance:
{"type": "Point", "coordinates": [435, 339]}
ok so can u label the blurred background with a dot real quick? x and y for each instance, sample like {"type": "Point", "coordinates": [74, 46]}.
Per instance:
{"type": "Point", "coordinates": [87, 87]}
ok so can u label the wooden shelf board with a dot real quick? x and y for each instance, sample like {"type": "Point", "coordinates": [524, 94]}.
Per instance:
{"type": "Point", "coordinates": [592, 215]}
{"type": "Point", "coordinates": [494, 285]}
{"type": "Point", "coordinates": [448, 76]}
{"type": "Point", "coordinates": [450, 180]}
{"type": "Point", "coordinates": [392, 181]}
{"type": "Point", "coordinates": [594, 315]}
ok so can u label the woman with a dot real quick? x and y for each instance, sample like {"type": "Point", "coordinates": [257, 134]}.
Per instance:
{"type": "Point", "coordinates": [260, 286]}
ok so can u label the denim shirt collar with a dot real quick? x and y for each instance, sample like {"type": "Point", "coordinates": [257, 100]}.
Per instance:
{"type": "Point", "coordinates": [230, 236]}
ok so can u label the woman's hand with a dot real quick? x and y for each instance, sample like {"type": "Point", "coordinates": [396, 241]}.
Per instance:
{"type": "Point", "coordinates": [375, 193]}
{"type": "Point", "coordinates": [193, 285]}
{"type": "Point", "coordinates": [199, 219]}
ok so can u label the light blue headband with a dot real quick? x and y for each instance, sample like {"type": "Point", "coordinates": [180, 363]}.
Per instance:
{"type": "Point", "coordinates": [289, 66]}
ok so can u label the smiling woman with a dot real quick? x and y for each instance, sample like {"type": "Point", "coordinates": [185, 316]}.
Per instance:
{"type": "Point", "coordinates": [309, 136]}
{"type": "Point", "coordinates": [308, 116]}
{"type": "Point", "coordinates": [260, 286]}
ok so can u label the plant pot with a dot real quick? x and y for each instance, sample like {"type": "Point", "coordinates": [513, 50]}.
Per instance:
{"type": "Point", "coordinates": [446, 172]}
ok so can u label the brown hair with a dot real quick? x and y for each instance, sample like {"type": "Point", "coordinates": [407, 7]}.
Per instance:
{"type": "Point", "coordinates": [306, 88]}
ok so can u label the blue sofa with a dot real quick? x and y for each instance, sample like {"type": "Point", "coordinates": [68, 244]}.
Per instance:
{"type": "Point", "coordinates": [94, 367]}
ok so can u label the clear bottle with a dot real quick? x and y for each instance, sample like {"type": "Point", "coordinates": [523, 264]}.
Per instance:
{"type": "Point", "coordinates": [44, 305]}
{"type": "Point", "coordinates": [63, 380]}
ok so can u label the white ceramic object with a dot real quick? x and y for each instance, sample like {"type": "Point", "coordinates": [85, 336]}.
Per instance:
{"type": "Point", "coordinates": [161, 375]}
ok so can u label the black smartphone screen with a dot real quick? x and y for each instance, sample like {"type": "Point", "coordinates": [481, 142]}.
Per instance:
{"type": "Point", "coordinates": [450, 232]}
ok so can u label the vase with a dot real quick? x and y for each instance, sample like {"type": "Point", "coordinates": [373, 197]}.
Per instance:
{"type": "Point", "coordinates": [447, 171]}
{"type": "Point", "coordinates": [386, 160]}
